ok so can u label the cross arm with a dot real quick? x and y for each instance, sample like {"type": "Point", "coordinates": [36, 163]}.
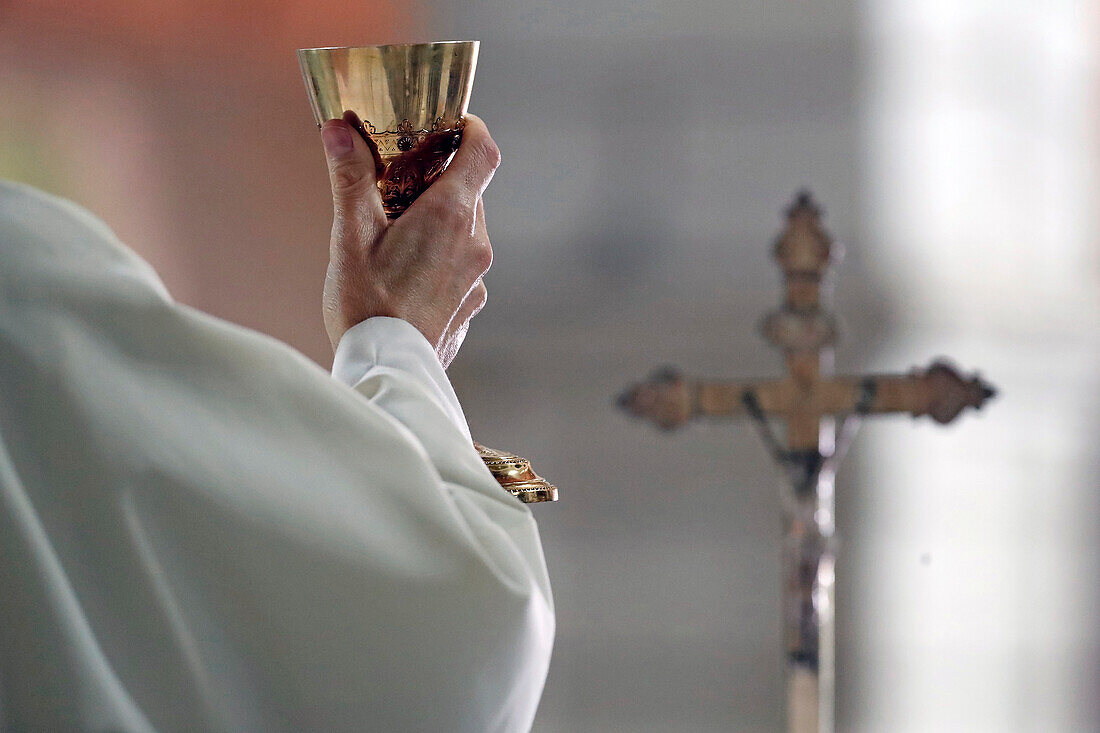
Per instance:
{"type": "Point", "coordinates": [938, 391]}
{"type": "Point", "coordinates": [669, 399]}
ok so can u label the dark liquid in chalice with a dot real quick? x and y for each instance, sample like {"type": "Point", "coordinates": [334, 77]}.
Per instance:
{"type": "Point", "coordinates": [409, 173]}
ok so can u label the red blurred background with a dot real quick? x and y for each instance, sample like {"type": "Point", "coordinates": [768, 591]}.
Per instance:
{"type": "Point", "coordinates": [184, 124]}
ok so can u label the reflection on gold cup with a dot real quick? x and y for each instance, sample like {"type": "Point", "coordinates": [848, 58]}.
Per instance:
{"type": "Point", "coordinates": [410, 98]}
{"type": "Point", "coordinates": [408, 101]}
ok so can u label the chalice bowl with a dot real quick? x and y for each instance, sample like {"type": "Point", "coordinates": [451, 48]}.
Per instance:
{"type": "Point", "coordinates": [409, 102]}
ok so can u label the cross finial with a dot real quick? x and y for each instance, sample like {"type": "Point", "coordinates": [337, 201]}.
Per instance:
{"type": "Point", "coordinates": [803, 201]}
{"type": "Point", "coordinates": [804, 251]}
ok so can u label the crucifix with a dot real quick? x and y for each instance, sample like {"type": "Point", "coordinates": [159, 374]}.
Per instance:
{"type": "Point", "coordinates": [821, 414]}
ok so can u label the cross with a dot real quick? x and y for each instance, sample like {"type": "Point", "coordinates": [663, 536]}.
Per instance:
{"type": "Point", "coordinates": [811, 404]}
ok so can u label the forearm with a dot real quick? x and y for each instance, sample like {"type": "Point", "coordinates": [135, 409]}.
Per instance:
{"type": "Point", "coordinates": [391, 364]}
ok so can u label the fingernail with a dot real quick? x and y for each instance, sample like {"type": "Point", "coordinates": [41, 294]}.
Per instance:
{"type": "Point", "coordinates": [337, 140]}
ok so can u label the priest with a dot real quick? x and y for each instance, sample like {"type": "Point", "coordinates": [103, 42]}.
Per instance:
{"type": "Point", "coordinates": [200, 530]}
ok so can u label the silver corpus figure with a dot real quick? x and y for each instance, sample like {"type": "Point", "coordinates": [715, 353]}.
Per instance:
{"type": "Point", "coordinates": [812, 404]}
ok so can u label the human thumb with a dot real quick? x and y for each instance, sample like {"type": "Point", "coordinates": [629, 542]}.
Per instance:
{"type": "Point", "coordinates": [352, 168]}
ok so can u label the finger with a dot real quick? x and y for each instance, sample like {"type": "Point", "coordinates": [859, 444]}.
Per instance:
{"type": "Point", "coordinates": [474, 302]}
{"type": "Point", "coordinates": [460, 324]}
{"type": "Point", "coordinates": [480, 230]}
{"type": "Point", "coordinates": [476, 160]}
{"type": "Point", "coordinates": [352, 173]}
{"type": "Point", "coordinates": [448, 350]}
{"type": "Point", "coordinates": [353, 119]}
{"type": "Point", "coordinates": [470, 306]}
{"type": "Point", "coordinates": [483, 249]}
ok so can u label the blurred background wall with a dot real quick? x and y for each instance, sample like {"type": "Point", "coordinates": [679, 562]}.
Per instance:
{"type": "Point", "coordinates": [649, 148]}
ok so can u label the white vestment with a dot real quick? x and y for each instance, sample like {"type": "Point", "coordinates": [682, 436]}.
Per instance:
{"type": "Point", "coordinates": [201, 530]}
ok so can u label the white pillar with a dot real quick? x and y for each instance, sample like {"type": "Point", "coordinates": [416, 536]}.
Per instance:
{"type": "Point", "coordinates": [977, 603]}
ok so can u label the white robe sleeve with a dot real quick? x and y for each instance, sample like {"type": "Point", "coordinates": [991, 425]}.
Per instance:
{"type": "Point", "coordinates": [201, 530]}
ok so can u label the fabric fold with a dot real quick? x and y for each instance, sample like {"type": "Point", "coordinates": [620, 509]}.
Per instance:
{"type": "Point", "coordinates": [249, 543]}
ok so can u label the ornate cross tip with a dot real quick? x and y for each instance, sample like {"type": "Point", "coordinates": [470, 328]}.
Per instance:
{"type": "Point", "coordinates": [804, 202]}
{"type": "Point", "coordinates": [803, 247]}
{"type": "Point", "coordinates": [665, 399]}
{"type": "Point", "coordinates": [943, 393]}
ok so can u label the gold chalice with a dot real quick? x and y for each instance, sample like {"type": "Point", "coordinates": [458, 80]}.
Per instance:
{"type": "Point", "coordinates": [409, 100]}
